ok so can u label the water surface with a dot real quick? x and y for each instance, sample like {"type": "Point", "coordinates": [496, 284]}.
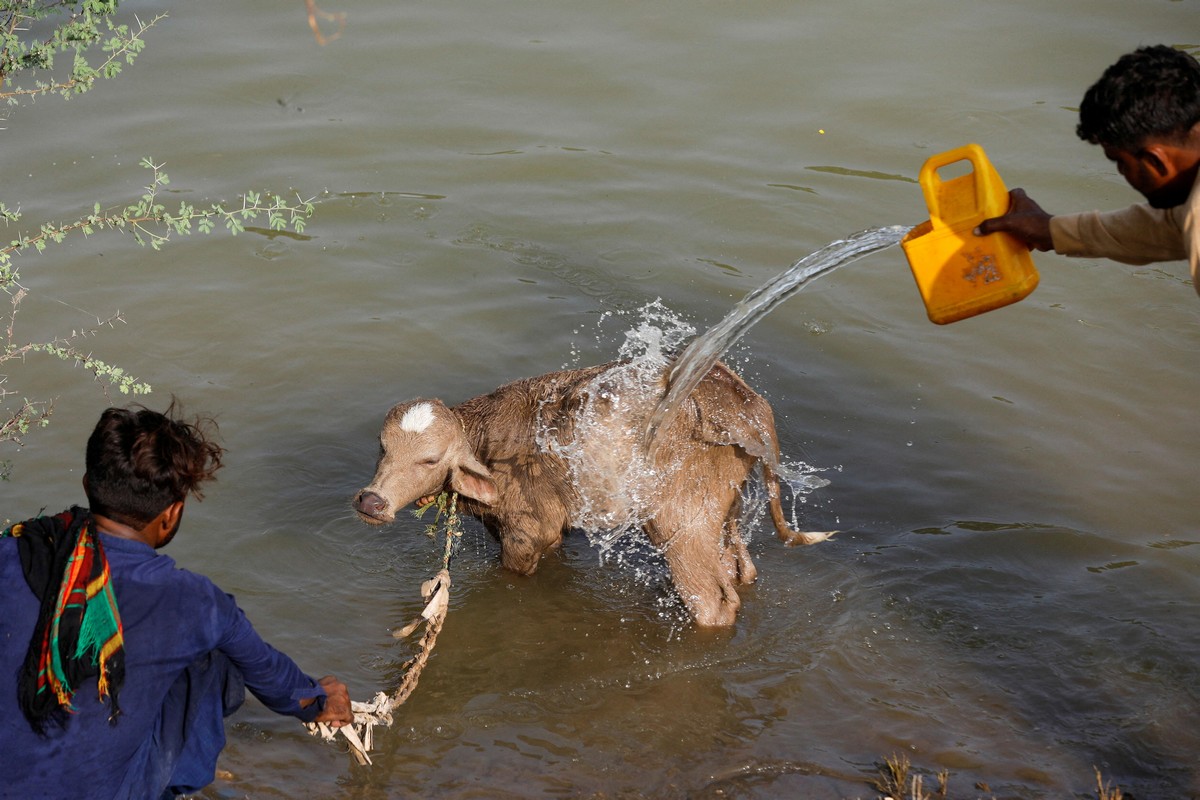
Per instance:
{"type": "Point", "coordinates": [502, 187]}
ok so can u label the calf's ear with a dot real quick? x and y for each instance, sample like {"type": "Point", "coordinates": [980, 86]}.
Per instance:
{"type": "Point", "coordinates": [472, 479]}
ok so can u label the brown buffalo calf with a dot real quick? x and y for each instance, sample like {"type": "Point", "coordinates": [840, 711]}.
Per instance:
{"type": "Point", "coordinates": [539, 456]}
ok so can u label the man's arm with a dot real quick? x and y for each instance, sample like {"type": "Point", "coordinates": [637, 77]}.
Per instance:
{"type": "Point", "coordinates": [1138, 234]}
{"type": "Point", "coordinates": [275, 678]}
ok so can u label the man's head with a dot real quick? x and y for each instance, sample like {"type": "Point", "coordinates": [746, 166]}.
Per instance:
{"type": "Point", "coordinates": [140, 462]}
{"type": "Point", "coordinates": [1145, 112]}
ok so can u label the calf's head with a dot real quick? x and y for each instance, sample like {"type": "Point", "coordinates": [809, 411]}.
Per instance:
{"type": "Point", "coordinates": [423, 449]}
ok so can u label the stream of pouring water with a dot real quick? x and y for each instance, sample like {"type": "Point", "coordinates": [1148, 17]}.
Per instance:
{"type": "Point", "coordinates": [610, 451]}
{"type": "Point", "coordinates": [703, 352]}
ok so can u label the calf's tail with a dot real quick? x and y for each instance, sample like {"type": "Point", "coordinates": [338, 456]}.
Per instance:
{"type": "Point", "coordinates": [786, 534]}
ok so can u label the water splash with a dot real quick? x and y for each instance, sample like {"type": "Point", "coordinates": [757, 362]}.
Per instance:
{"type": "Point", "coordinates": [610, 456]}
{"type": "Point", "coordinates": [704, 351]}
{"type": "Point", "coordinates": [654, 342]}
{"type": "Point", "coordinates": [616, 482]}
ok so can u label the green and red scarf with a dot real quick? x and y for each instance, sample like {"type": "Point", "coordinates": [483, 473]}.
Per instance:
{"type": "Point", "coordinates": [78, 634]}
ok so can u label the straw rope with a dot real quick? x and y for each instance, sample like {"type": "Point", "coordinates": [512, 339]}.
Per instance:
{"type": "Point", "coordinates": [436, 592]}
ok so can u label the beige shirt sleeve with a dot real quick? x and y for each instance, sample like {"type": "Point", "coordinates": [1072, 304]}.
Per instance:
{"type": "Point", "coordinates": [1135, 235]}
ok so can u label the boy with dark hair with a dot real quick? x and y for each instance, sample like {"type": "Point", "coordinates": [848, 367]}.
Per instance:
{"type": "Point", "coordinates": [1145, 112]}
{"type": "Point", "coordinates": [116, 667]}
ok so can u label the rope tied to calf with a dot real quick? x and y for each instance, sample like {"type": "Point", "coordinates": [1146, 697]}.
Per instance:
{"type": "Point", "coordinates": [378, 710]}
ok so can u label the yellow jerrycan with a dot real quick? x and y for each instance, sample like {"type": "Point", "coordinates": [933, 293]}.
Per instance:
{"type": "Point", "coordinates": [958, 273]}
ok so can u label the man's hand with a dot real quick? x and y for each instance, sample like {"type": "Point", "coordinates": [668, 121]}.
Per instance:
{"type": "Point", "coordinates": [337, 703]}
{"type": "Point", "coordinates": [1025, 220]}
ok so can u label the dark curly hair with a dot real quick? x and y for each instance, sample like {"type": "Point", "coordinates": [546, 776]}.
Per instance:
{"type": "Point", "coordinates": [1151, 92]}
{"type": "Point", "coordinates": [140, 461]}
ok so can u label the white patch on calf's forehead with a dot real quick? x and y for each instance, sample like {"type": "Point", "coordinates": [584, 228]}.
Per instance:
{"type": "Point", "coordinates": [418, 418]}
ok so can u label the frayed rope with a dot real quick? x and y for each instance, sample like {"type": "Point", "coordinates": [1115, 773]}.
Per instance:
{"type": "Point", "coordinates": [378, 711]}
{"type": "Point", "coordinates": [436, 593]}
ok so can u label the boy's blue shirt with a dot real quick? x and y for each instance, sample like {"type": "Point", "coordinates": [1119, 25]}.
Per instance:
{"type": "Point", "coordinates": [171, 617]}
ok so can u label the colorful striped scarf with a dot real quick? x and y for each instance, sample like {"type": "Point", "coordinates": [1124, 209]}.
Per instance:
{"type": "Point", "coordinates": [78, 633]}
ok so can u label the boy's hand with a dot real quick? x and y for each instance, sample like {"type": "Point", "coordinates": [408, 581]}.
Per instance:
{"type": "Point", "coordinates": [1025, 220]}
{"type": "Point", "coordinates": [337, 703]}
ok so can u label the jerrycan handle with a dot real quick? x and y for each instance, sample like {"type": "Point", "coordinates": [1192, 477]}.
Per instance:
{"type": "Point", "coordinates": [966, 199]}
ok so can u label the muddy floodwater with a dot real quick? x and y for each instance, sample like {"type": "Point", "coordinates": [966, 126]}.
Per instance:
{"type": "Point", "coordinates": [1014, 594]}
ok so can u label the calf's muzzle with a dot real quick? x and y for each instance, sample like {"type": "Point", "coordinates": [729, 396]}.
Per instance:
{"type": "Point", "coordinates": [371, 506]}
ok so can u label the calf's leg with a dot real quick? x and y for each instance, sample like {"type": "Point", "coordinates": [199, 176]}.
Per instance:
{"type": "Point", "coordinates": [699, 569]}
{"type": "Point", "coordinates": [528, 533]}
{"type": "Point", "coordinates": [736, 555]}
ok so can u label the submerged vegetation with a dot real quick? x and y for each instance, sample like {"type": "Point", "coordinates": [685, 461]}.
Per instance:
{"type": "Point", "coordinates": [898, 780]}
